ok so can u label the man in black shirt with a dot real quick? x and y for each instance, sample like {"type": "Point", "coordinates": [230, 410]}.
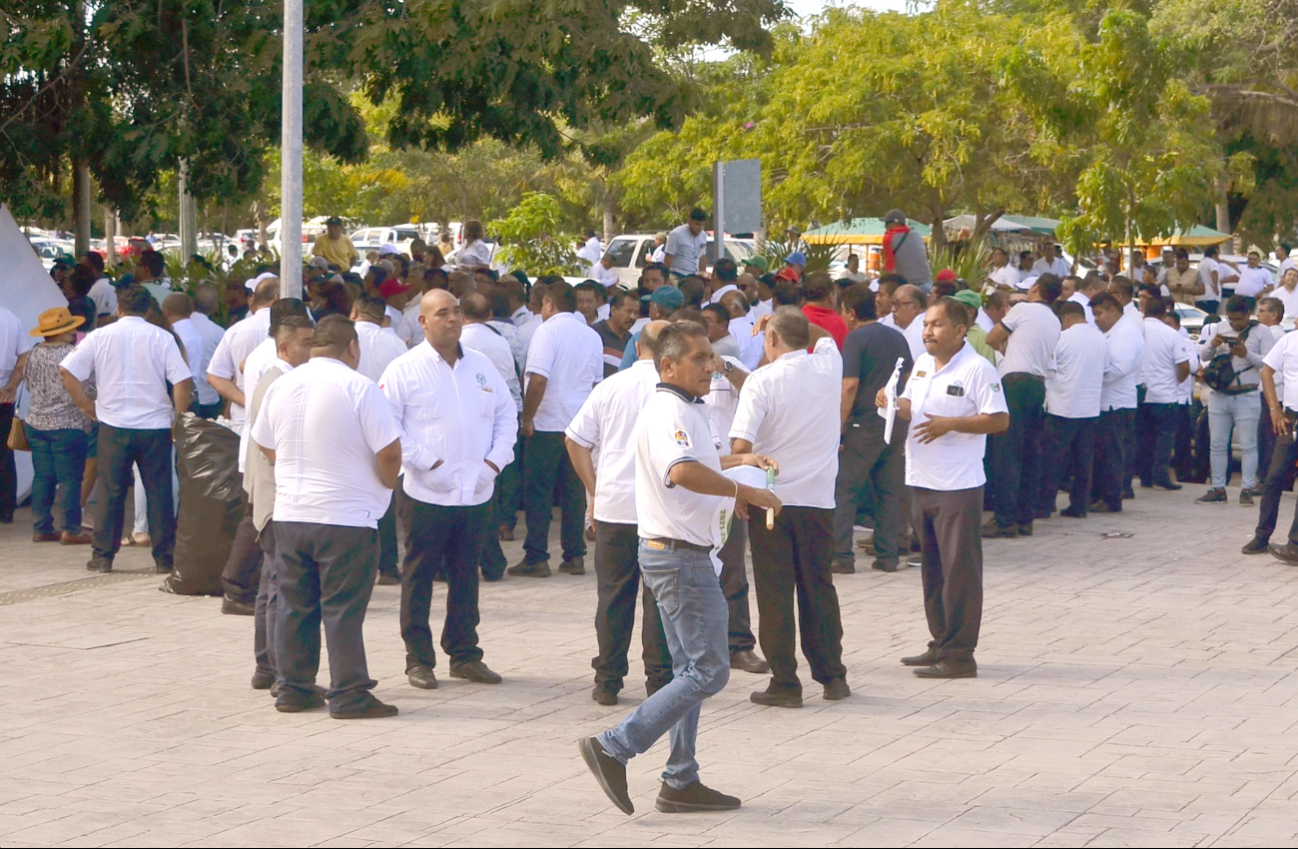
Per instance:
{"type": "Point", "coordinates": [870, 353]}
{"type": "Point", "coordinates": [615, 331]}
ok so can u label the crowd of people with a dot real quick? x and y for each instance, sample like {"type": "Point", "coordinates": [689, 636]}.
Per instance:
{"type": "Point", "coordinates": [711, 417]}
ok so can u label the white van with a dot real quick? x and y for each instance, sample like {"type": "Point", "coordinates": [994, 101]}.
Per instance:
{"type": "Point", "coordinates": [372, 238]}
{"type": "Point", "coordinates": [631, 254]}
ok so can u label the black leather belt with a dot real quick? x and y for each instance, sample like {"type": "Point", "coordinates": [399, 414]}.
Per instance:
{"type": "Point", "coordinates": [672, 544]}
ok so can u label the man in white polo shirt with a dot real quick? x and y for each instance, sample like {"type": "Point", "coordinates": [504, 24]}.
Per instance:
{"type": "Point", "coordinates": [1166, 365]}
{"type": "Point", "coordinates": [458, 426]}
{"type": "Point", "coordinates": [606, 424]}
{"type": "Point", "coordinates": [953, 399]}
{"type": "Point", "coordinates": [1073, 390]}
{"type": "Point", "coordinates": [132, 362]}
{"type": "Point", "coordinates": [682, 504]}
{"type": "Point", "coordinates": [225, 371]}
{"type": "Point", "coordinates": [1255, 280]}
{"type": "Point", "coordinates": [1027, 336]}
{"type": "Point", "coordinates": [1126, 347]}
{"type": "Point", "coordinates": [1280, 389]}
{"type": "Point", "coordinates": [337, 452]}
{"type": "Point", "coordinates": [564, 362]}
{"type": "Point", "coordinates": [1051, 262]}
{"type": "Point", "coordinates": [178, 309]}
{"type": "Point", "coordinates": [788, 410]}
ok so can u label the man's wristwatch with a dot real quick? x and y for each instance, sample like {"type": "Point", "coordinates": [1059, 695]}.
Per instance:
{"type": "Point", "coordinates": [728, 366]}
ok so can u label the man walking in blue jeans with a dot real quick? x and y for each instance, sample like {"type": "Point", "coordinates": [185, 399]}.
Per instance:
{"type": "Point", "coordinates": [682, 503]}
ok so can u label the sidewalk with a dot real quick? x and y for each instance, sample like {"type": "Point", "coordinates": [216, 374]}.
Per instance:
{"type": "Point", "coordinates": [1133, 691]}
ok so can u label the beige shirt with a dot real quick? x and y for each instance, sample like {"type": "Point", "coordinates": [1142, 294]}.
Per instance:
{"type": "Point", "coordinates": [1182, 284]}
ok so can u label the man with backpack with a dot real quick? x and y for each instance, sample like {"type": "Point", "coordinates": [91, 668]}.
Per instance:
{"type": "Point", "coordinates": [1232, 352]}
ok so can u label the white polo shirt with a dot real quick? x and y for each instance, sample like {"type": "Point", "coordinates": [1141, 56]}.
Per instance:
{"type": "Point", "coordinates": [255, 366]}
{"type": "Point", "coordinates": [722, 402]}
{"type": "Point", "coordinates": [966, 386]}
{"type": "Point", "coordinates": [1211, 291]}
{"type": "Point", "coordinates": [1185, 391]}
{"type": "Point", "coordinates": [1006, 276]}
{"type": "Point", "coordinates": [1253, 281]}
{"type": "Point", "coordinates": [1079, 298]}
{"type": "Point", "coordinates": [131, 361]}
{"type": "Point", "coordinates": [1126, 352]}
{"type": "Point", "coordinates": [14, 342]}
{"type": "Point", "coordinates": [234, 348]}
{"type": "Point", "coordinates": [212, 334]}
{"type": "Point", "coordinates": [789, 410]}
{"type": "Point", "coordinates": [1057, 266]}
{"type": "Point", "coordinates": [460, 415]}
{"type": "Point", "coordinates": [197, 358]}
{"type": "Point", "coordinates": [1073, 388]}
{"type": "Point", "coordinates": [1034, 333]}
{"type": "Point", "coordinates": [1283, 357]}
{"type": "Point", "coordinates": [104, 297]}
{"type": "Point", "coordinates": [914, 333]}
{"type": "Point", "coordinates": [607, 423]}
{"type": "Point", "coordinates": [1163, 352]}
{"type": "Point", "coordinates": [570, 356]}
{"type": "Point", "coordinates": [1289, 299]}
{"type": "Point", "coordinates": [672, 429]}
{"type": "Point", "coordinates": [325, 423]}
{"type": "Point", "coordinates": [379, 347]}
{"type": "Point", "coordinates": [408, 329]}
{"type": "Point", "coordinates": [984, 321]}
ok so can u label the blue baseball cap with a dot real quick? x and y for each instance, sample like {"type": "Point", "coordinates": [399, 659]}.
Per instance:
{"type": "Point", "coordinates": [667, 297]}
{"type": "Point", "coordinates": [796, 258]}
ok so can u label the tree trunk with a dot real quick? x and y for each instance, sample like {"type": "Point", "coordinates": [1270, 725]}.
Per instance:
{"type": "Point", "coordinates": [937, 241]}
{"type": "Point", "coordinates": [259, 214]}
{"type": "Point", "coordinates": [1223, 207]}
{"type": "Point", "coordinates": [81, 205]}
{"type": "Point", "coordinates": [188, 214]}
{"type": "Point", "coordinates": [110, 237]}
{"type": "Point", "coordinates": [983, 225]}
{"type": "Point", "coordinates": [610, 210]}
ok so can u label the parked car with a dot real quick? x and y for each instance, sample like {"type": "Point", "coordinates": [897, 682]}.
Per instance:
{"type": "Point", "coordinates": [631, 254]}
{"type": "Point", "coordinates": [372, 238]}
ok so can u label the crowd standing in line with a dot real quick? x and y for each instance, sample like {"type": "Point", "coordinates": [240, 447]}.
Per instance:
{"type": "Point", "coordinates": [717, 412]}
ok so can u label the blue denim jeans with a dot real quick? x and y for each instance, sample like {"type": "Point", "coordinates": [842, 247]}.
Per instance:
{"type": "Point", "coordinates": [695, 620]}
{"type": "Point", "coordinates": [58, 461]}
{"type": "Point", "coordinates": [1241, 412]}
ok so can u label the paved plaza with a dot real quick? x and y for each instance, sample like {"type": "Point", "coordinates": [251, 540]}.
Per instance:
{"type": "Point", "coordinates": [1134, 690]}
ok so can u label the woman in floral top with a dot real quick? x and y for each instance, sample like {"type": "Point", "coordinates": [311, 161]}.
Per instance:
{"type": "Point", "coordinates": [56, 431]}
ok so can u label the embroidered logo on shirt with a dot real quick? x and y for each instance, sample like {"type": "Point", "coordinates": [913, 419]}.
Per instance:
{"type": "Point", "coordinates": [996, 387]}
{"type": "Point", "coordinates": [682, 438]}
{"type": "Point", "coordinates": [482, 379]}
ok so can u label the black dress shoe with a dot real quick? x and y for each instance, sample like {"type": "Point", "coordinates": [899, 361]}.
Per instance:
{"type": "Point", "coordinates": [1043, 514]}
{"type": "Point", "coordinates": [949, 669]}
{"type": "Point", "coordinates": [693, 797]}
{"type": "Point", "coordinates": [475, 671]}
{"type": "Point", "coordinates": [573, 566]}
{"type": "Point", "coordinates": [422, 677]}
{"type": "Point", "coordinates": [1101, 507]}
{"type": "Point", "coordinates": [928, 658]}
{"type": "Point", "coordinates": [161, 569]}
{"type": "Point", "coordinates": [1287, 552]}
{"type": "Point", "coordinates": [1169, 486]}
{"type": "Point", "coordinates": [610, 774]}
{"type": "Point", "coordinates": [99, 564]}
{"type": "Point", "coordinates": [374, 709]}
{"type": "Point", "coordinates": [231, 607]}
{"type": "Point", "coordinates": [994, 529]}
{"type": "Point", "coordinates": [388, 579]}
{"type": "Point", "coordinates": [603, 697]}
{"type": "Point", "coordinates": [837, 689]}
{"type": "Point", "coordinates": [263, 680]}
{"type": "Point", "coordinates": [1127, 494]}
{"type": "Point", "coordinates": [295, 702]}
{"type": "Point", "coordinates": [530, 570]}
{"type": "Point", "coordinates": [1256, 545]}
{"type": "Point", "coordinates": [1073, 512]}
{"type": "Point", "coordinates": [749, 661]}
{"type": "Point", "coordinates": [1025, 530]}
{"type": "Point", "coordinates": [885, 565]}
{"type": "Point", "coordinates": [776, 699]}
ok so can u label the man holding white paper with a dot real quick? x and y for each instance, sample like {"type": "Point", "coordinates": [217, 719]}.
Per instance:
{"type": "Point", "coordinates": [868, 459]}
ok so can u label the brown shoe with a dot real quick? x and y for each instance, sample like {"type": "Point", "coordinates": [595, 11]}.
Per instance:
{"type": "Point", "coordinates": [78, 538]}
{"type": "Point", "coordinates": [928, 658]}
{"type": "Point", "coordinates": [506, 533]}
{"type": "Point", "coordinates": [949, 669]}
{"type": "Point", "coordinates": [45, 537]}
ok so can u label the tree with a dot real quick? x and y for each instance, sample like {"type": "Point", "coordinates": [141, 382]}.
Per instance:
{"type": "Point", "coordinates": [531, 238]}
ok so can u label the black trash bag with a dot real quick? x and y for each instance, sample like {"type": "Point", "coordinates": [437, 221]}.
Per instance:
{"type": "Point", "coordinates": [211, 505]}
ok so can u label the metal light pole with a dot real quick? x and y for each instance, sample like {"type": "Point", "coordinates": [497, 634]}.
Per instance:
{"type": "Point", "coordinates": [290, 230]}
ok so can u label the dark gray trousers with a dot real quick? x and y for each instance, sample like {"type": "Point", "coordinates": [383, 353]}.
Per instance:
{"type": "Point", "coordinates": [949, 525]}
{"type": "Point", "coordinates": [326, 575]}
{"type": "Point", "coordinates": [617, 576]}
{"type": "Point", "coordinates": [734, 585]}
{"type": "Point", "coordinates": [866, 461]}
{"type": "Point", "coordinates": [263, 642]}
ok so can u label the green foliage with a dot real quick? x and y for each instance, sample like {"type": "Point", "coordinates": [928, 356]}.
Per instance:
{"type": "Point", "coordinates": [968, 259]}
{"type": "Point", "coordinates": [818, 256]}
{"type": "Point", "coordinates": [531, 239]}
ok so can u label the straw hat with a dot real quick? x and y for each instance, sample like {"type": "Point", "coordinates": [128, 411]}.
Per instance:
{"type": "Point", "coordinates": [56, 321]}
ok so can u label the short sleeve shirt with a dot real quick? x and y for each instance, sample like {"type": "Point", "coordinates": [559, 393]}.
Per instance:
{"type": "Point", "coordinates": [673, 429]}
{"type": "Point", "coordinates": [1034, 333]}
{"type": "Point", "coordinates": [686, 249]}
{"type": "Point", "coordinates": [870, 354]}
{"type": "Point", "coordinates": [966, 386]}
{"type": "Point", "coordinates": [13, 344]}
{"type": "Point", "coordinates": [132, 362]}
{"type": "Point", "coordinates": [570, 356]}
{"type": "Point", "coordinates": [1283, 358]}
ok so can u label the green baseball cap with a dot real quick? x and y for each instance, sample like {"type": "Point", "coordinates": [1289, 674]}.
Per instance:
{"type": "Point", "coordinates": [758, 262]}
{"type": "Point", "coordinates": [969, 298]}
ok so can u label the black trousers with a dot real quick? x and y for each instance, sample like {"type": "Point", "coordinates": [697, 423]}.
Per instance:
{"type": "Point", "coordinates": [241, 578]}
{"type": "Point", "coordinates": [1068, 444]}
{"type": "Point", "coordinates": [509, 488]}
{"type": "Point", "coordinates": [549, 471]}
{"type": "Point", "coordinates": [326, 575]}
{"type": "Point", "coordinates": [868, 463]}
{"type": "Point", "coordinates": [1135, 451]}
{"type": "Point", "coordinates": [617, 576]}
{"type": "Point", "coordinates": [797, 556]}
{"type": "Point", "coordinates": [207, 411]}
{"type": "Point", "coordinates": [492, 561]}
{"type": "Point", "coordinates": [951, 554]}
{"type": "Point", "coordinates": [264, 610]}
{"type": "Point", "coordinates": [734, 586]}
{"type": "Point", "coordinates": [1156, 438]}
{"type": "Point", "coordinates": [8, 470]}
{"type": "Point", "coordinates": [1183, 444]}
{"type": "Point", "coordinates": [1111, 456]}
{"type": "Point", "coordinates": [1265, 443]}
{"type": "Point", "coordinates": [447, 539]}
{"type": "Point", "coordinates": [1279, 473]}
{"type": "Point", "coordinates": [1017, 458]}
{"type": "Point", "coordinates": [388, 536]}
{"type": "Point", "coordinates": [118, 450]}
